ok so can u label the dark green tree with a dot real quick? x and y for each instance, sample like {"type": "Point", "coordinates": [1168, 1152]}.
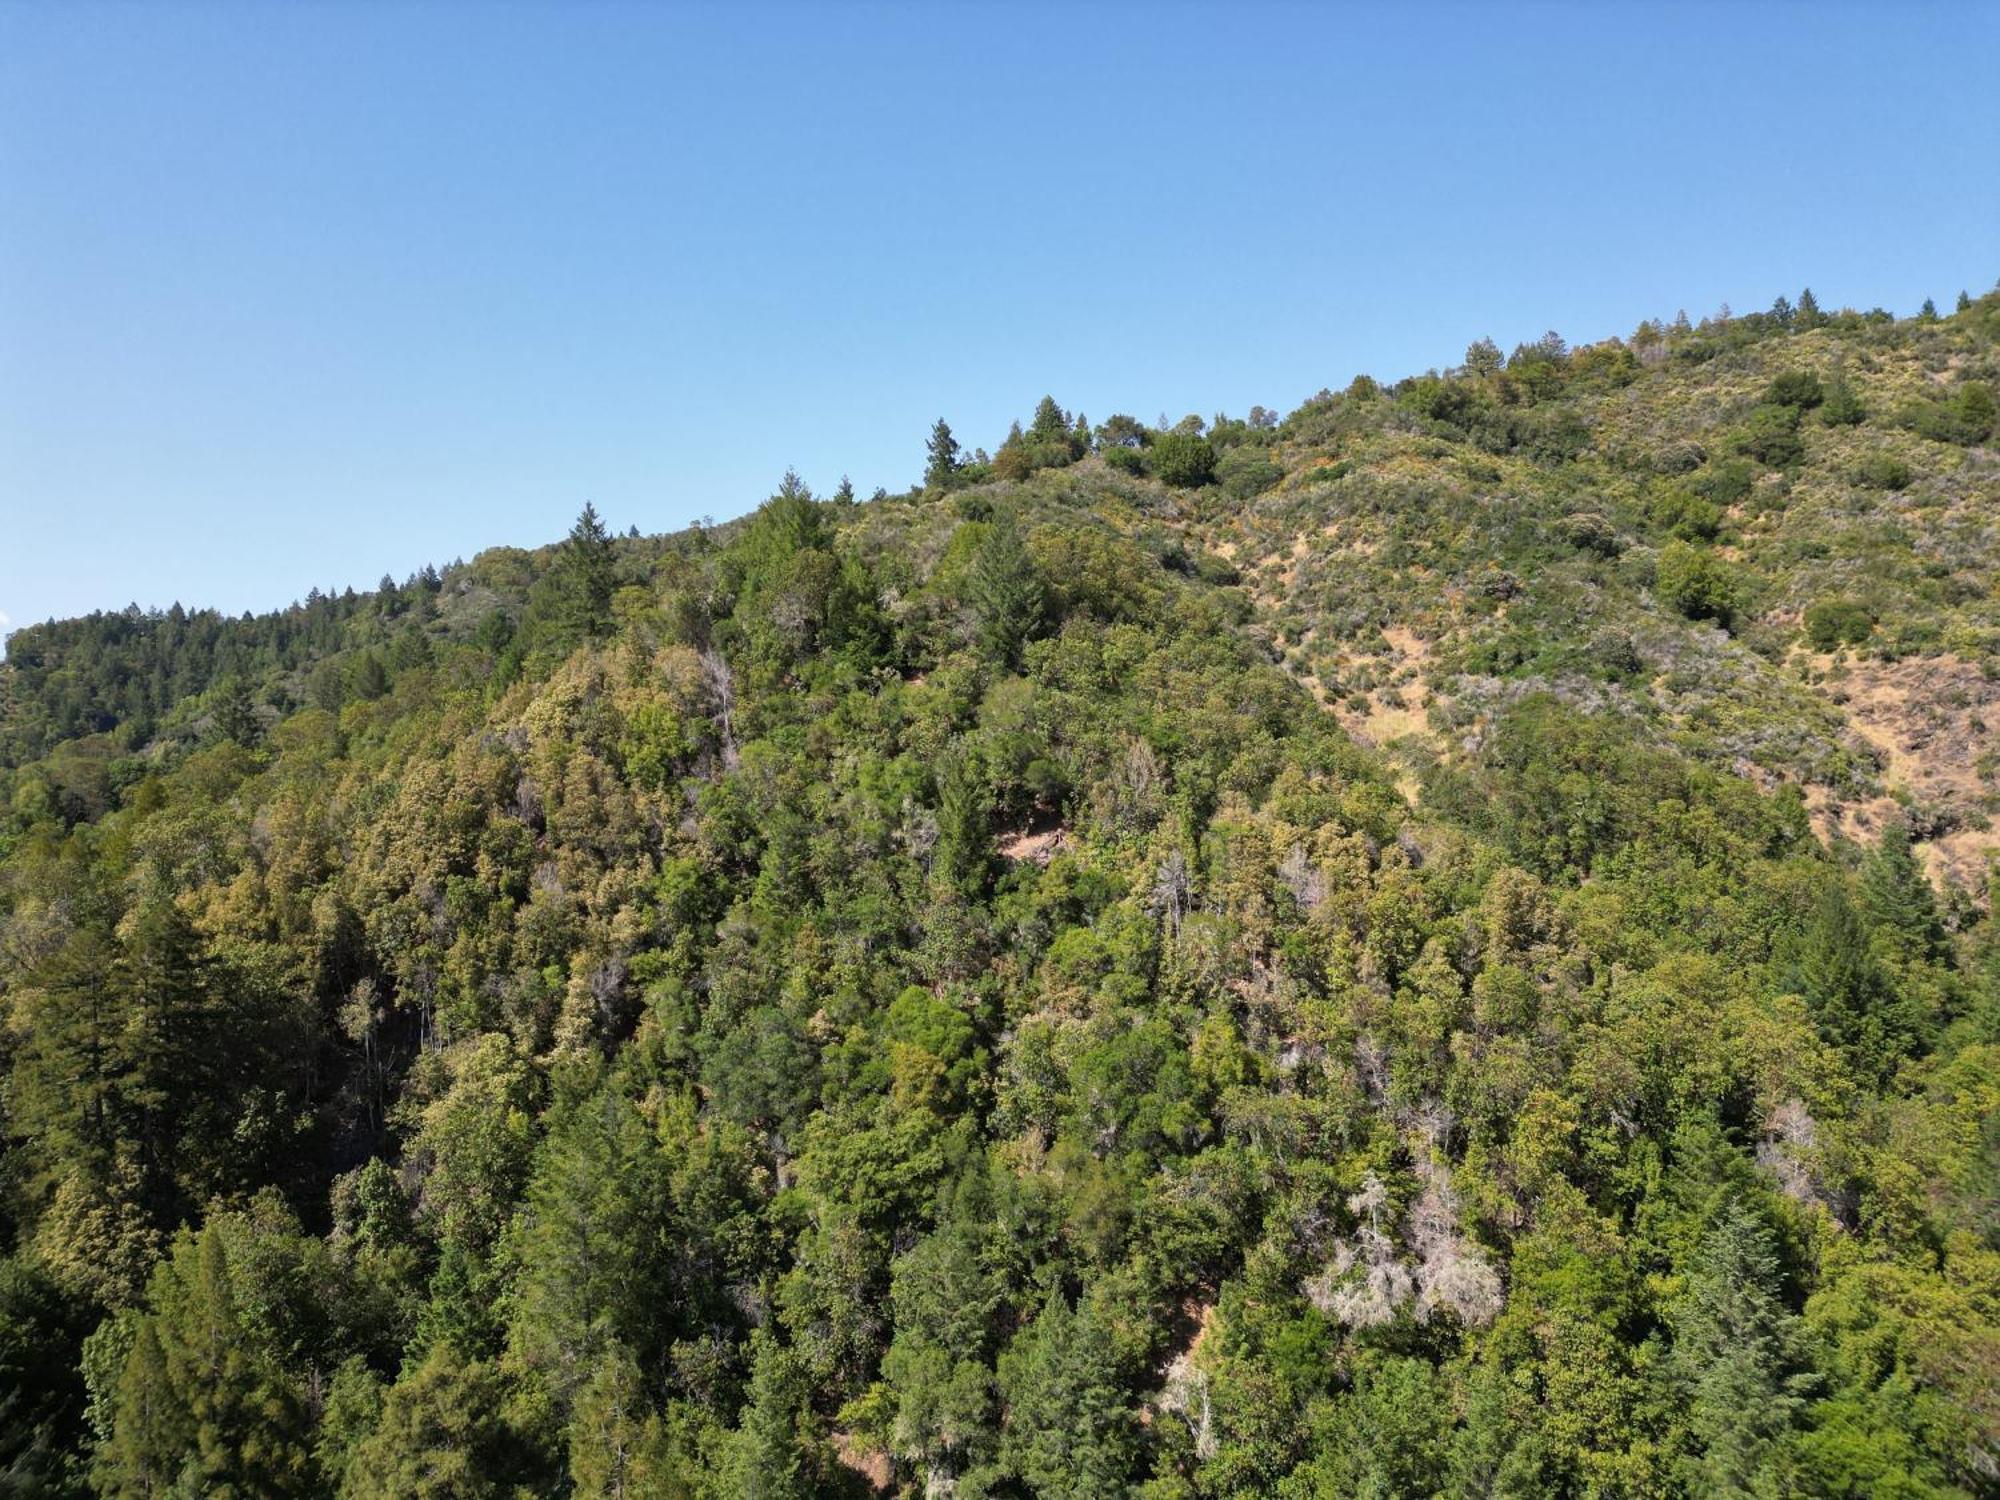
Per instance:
{"type": "Point", "coordinates": [1842, 406]}
{"type": "Point", "coordinates": [236, 712]}
{"type": "Point", "coordinates": [1740, 1356]}
{"type": "Point", "coordinates": [939, 1366]}
{"type": "Point", "coordinates": [1049, 424]}
{"type": "Point", "coordinates": [1005, 589]}
{"type": "Point", "coordinates": [942, 468]}
{"type": "Point", "coordinates": [773, 1460]}
{"type": "Point", "coordinates": [573, 600]}
{"type": "Point", "coordinates": [203, 1398]}
{"type": "Point", "coordinates": [1898, 897]}
{"type": "Point", "coordinates": [442, 1436]}
{"type": "Point", "coordinates": [1182, 459]}
{"type": "Point", "coordinates": [1069, 1431]}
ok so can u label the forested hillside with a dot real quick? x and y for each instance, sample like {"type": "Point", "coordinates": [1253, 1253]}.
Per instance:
{"type": "Point", "coordinates": [1434, 945]}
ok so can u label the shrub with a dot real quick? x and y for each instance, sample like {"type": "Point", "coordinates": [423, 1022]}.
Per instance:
{"type": "Point", "coordinates": [1588, 531]}
{"type": "Point", "coordinates": [1836, 622]}
{"type": "Point", "coordinates": [1246, 471]}
{"type": "Point", "coordinates": [1797, 388]}
{"type": "Point", "coordinates": [1884, 471]}
{"type": "Point", "coordinates": [1968, 417]}
{"type": "Point", "coordinates": [1183, 460]}
{"type": "Point", "coordinates": [1771, 436]}
{"type": "Point", "coordinates": [1696, 582]}
{"type": "Point", "coordinates": [1679, 458]}
{"type": "Point", "coordinates": [1727, 481]}
{"type": "Point", "coordinates": [1842, 407]}
{"type": "Point", "coordinates": [1686, 514]}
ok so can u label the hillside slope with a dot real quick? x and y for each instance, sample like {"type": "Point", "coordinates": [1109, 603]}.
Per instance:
{"type": "Point", "coordinates": [1438, 944]}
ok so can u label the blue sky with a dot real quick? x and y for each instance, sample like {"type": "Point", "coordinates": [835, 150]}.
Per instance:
{"type": "Point", "coordinates": [300, 294]}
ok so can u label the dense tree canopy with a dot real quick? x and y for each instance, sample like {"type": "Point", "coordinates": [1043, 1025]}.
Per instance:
{"type": "Point", "coordinates": [1403, 950]}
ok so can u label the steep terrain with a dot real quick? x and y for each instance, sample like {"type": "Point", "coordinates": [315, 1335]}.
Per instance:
{"type": "Point", "coordinates": [1437, 944]}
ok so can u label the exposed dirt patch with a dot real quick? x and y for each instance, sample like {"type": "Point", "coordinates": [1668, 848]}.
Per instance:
{"type": "Point", "coordinates": [1399, 708]}
{"type": "Point", "coordinates": [870, 1463]}
{"type": "Point", "coordinates": [1929, 724]}
{"type": "Point", "coordinates": [1037, 846]}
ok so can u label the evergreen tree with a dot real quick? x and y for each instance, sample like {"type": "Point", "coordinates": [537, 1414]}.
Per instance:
{"type": "Point", "coordinates": [575, 598]}
{"type": "Point", "coordinates": [1049, 424]}
{"type": "Point", "coordinates": [353, 1408]}
{"type": "Point", "coordinates": [1807, 315]}
{"type": "Point", "coordinates": [201, 1398]}
{"type": "Point", "coordinates": [1898, 896]}
{"type": "Point", "coordinates": [942, 469]}
{"type": "Point", "coordinates": [616, 1451]}
{"type": "Point", "coordinates": [236, 712]}
{"type": "Point", "coordinates": [1006, 592]}
{"type": "Point", "coordinates": [41, 1389]}
{"type": "Point", "coordinates": [939, 1365]}
{"type": "Point", "coordinates": [1835, 971]}
{"type": "Point", "coordinates": [441, 1437]}
{"type": "Point", "coordinates": [368, 679]}
{"type": "Point", "coordinates": [1842, 406]}
{"type": "Point", "coordinates": [772, 1459]}
{"type": "Point", "coordinates": [151, 1432]}
{"type": "Point", "coordinates": [1069, 1433]}
{"type": "Point", "coordinates": [1739, 1355]}
{"type": "Point", "coordinates": [586, 1254]}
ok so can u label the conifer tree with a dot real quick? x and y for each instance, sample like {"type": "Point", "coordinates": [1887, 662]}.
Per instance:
{"type": "Point", "coordinates": [1069, 1433]}
{"type": "Point", "coordinates": [772, 1461]}
{"type": "Point", "coordinates": [578, 602]}
{"type": "Point", "coordinates": [1005, 589]}
{"type": "Point", "coordinates": [441, 1437]}
{"type": "Point", "coordinates": [1898, 896]}
{"type": "Point", "coordinates": [236, 712]}
{"type": "Point", "coordinates": [1739, 1355]}
{"type": "Point", "coordinates": [1049, 424]}
{"type": "Point", "coordinates": [615, 1444]}
{"type": "Point", "coordinates": [200, 1398]}
{"type": "Point", "coordinates": [942, 469]}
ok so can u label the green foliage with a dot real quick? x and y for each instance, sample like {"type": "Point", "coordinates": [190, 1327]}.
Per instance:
{"type": "Point", "coordinates": [1005, 590]}
{"type": "Point", "coordinates": [1842, 406]}
{"type": "Point", "coordinates": [1740, 1357]}
{"type": "Point", "coordinates": [1069, 1430]}
{"type": "Point", "coordinates": [1182, 459]}
{"type": "Point", "coordinates": [573, 599]}
{"type": "Point", "coordinates": [1771, 436]}
{"type": "Point", "coordinates": [203, 1404]}
{"type": "Point", "coordinates": [1968, 416]}
{"type": "Point", "coordinates": [1885, 471]}
{"type": "Point", "coordinates": [441, 1434]}
{"type": "Point", "coordinates": [1696, 582]}
{"type": "Point", "coordinates": [1797, 388]}
{"type": "Point", "coordinates": [1339, 984]}
{"type": "Point", "coordinates": [942, 465]}
{"type": "Point", "coordinates": [1245, 472]}
{"type": "Point", "coordinates": [1832, 623]}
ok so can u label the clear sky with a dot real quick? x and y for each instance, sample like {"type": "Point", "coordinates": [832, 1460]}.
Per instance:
{"type": "Point", "coordinates": [299, 294]}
